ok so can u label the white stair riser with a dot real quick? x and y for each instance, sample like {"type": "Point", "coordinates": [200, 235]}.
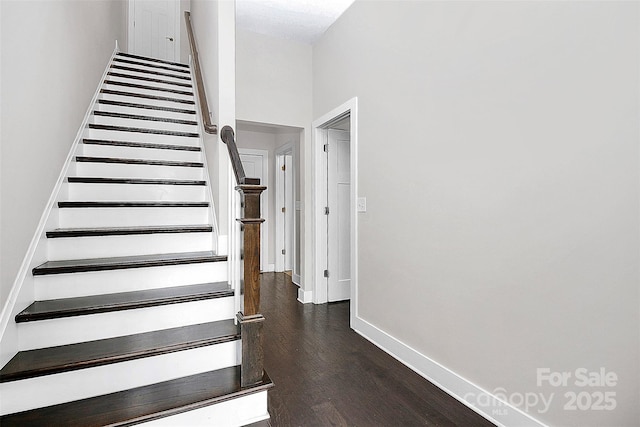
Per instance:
{"type": "Point", "coordinates": [69, 330]}
{"type": "Point", "coordinates": [142, 64]}
{"type": "Point", "coordinates": [152, 92]}
{"type": "Point", "coordinates": [94, 150]}
{"type": "Point", "coordinates": [147, 111]}
{"type": "Point", "coordinates": [124, 170]}
{"type": "Point", "coordinates": [148, 83]}
{"type": "Point", "coordinates": [144, 124]}
{"type": "Point", "coordinates": [146, 101]}
{"type": "Point", "coordinates": [131, 217]}
{"type": "Point", "coordinates": [63, 248]}
{"type": "Point", "coordinates": [69, 386]}
{"type": "Point", "coordinates": [131, 192]}
{"type": "Point", "coordinates": [55, 286]}
{"type": "Point", "coordinates": [119, 135]}
{"type": "Point", "coordinates": [236, 412]}
{"type": "Point", "coordinates": [170, 77]}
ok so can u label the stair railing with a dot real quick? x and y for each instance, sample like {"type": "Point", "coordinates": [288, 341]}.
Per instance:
{"type": "Point", "coordinates": [209, 127]}
{"type": "Point", "coordinates": [249, 318]}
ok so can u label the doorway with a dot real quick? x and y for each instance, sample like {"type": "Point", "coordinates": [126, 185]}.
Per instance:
{"type": "Point", "coordinates": [334, 218]}
{"type": "Point", "coordinates": [285, 250]}
{"type": "Point", "coordinates": [256, 165]}
{"type": "Point", "coordinates": [154, 29]}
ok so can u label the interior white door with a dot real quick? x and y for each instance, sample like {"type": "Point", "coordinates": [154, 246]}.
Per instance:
{"type": "Point", "coordinates": [253, 168]}
{"type": "Point", "coordinates": [155, 32]}
{"type": "Point", "coordinates": [338, 219]}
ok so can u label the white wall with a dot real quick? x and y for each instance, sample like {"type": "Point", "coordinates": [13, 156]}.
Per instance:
{"type": "Point", "coordinates": [499, 157]}
{"type": "Point", "coordinates": [53, 55]}
{"type": "Point", "coordinates": [214, 28]}
{"type": "Point", "coordinates": [274, 85]}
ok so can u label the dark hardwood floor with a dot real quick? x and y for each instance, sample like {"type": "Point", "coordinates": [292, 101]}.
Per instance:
{"type": "Point", "coordinates": [327, 375]}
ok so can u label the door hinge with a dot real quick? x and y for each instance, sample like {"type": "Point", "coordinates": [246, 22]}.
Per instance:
{"type": "Point", "coordinates": [326, 210]}
{"type": "Point", "coordinates": [284, 167]}
{"type": "Point", "coordinates": [283, 210]}
{"type": "Point", "coordinates": [326, 273]}
{"type": "Point", "coordinates": [326, 148]}
{"type": "Point", "coordinates": [284, 252]}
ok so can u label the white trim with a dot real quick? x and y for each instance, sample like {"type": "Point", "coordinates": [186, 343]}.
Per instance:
{"type": "Point", "coordinates": [9, 344]}
{"type": "Point", "coordinates": [305, 297]}
{"type": "Point", "coordinates": [219, 241]}
{"type": "Point", "coordinates": [131, 30]}
{"type": "Point", "coordinates": [296, 279]}
{"type": "Point", "coordinates": [265, 205]}
{"type": "Point", "coordinates": [270, 268]}
{"type": "Point", "coordinates": [318, 185]}
{"type": "Point", "coordinates": [281, 151]}
{"type": "Point", "coordinates": [498, 412]}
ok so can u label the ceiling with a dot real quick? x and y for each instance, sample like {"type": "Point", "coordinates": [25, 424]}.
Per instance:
{"type": "Point", "coordinates": [300, 20]}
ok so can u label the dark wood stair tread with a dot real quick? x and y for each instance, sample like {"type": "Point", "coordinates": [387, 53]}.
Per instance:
{"type": "Point", "coordinates": [143, 130]}
{"type": "Point", "coordinates": [65, 358]}
{"type": "Point", "coordinates": [155, 66]}
{"type": "Point", "coordinates": [155, 73]}
{"type": "Point", "coordinates": [146, 58]}
{"type": "Point", "coordinates": [126, 231]}
{"type": "Point", "coordinates": [146, 403]}
{"type": "Point", "coordinates": [148, 79]}
{"type": "Point", "coordinates": [134, 144]}
{"type": "Point", "coordinates": [123, 204]}
{"type": "Point", "coordinates": [145, 118]}
{"type": "Point", "coordinates": [80, 306]}
{"type": "Point", "coordinates": [146, 96]}
{"type": "Point", "coordinates": [118, 263]}
{"type": "Point", "coordinates": [98, 180]}
{"type": "Point", "coordinates": [145, 87]}
{"type": "Point", "coordinates": [145, 106]}
{"type": "Point", "coordinates": [118, 160]}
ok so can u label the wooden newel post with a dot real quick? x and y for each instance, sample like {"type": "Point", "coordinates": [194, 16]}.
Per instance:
{"type": "Point", "coordinates": [250, 319]}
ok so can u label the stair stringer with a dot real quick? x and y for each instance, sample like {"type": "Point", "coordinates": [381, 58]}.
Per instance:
{"type": "Point", "coordinates": [23, 289]}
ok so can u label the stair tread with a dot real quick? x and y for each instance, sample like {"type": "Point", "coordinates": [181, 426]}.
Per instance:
{"type": "Point", "coordinates": [121, 231]}
{"type": "Point", "coordinates": [134, 144]}
{"type": "Point", "coordinates": [143, 403]}
{"type": "Point", "coordinates": [99, 180]}
{"type": "Point", "coordinates": [68, 307]}
{"type": "Point", "coordinates": [121, 160]}
{"type": "Point", "coordinates": [146, 96]}
{"type": "Point", "coordinates": [158, 66]}
{"type": "Point", "coordinates": [145, 106]}
{"type": "Point", "coordinates": [123, 204]}
{"type": "Point", "coordinates": [148, 79]}
{"type": "Point", "coordinates": [64, 358]}
{"type": "Point", "coordinates": [146, 87]}
{"type": "Point", "coordinates": [145, 118]}
{"type": "Point", "coordinates": [143, 130]}
{"type": "Point", "coordinates": [146, 58]}
{"type": "Point", "coordinates": [155, 73]}
{"type": "Point", "coordinates": [117, 263]}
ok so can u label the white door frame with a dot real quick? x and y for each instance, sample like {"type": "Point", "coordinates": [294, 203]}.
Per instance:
{"type": "Point", "coordinates": [264, 206]}
{"type": "Point", "coordinates": [131, 31]}
{"type": "Point", "coordinates": [286, 149]}
{"type": "Point", "coordinates": [319, 186]}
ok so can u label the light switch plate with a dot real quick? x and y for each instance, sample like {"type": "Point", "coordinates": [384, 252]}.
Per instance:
{"type": "Point", "coordinates": [362, 204]}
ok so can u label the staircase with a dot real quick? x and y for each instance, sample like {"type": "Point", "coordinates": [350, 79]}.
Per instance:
{"type": "Point", "coordinates": [134, 319]}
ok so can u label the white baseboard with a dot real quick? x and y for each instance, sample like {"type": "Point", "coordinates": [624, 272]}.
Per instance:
{"type": "Point", "coordinates": [297, 280]}
{"type": "Point", "coordinates": [270, 268]}
{"type": "Point", "coordinates": [463, 390]}
{"type": "Point", "coordinates": [305, 297]}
